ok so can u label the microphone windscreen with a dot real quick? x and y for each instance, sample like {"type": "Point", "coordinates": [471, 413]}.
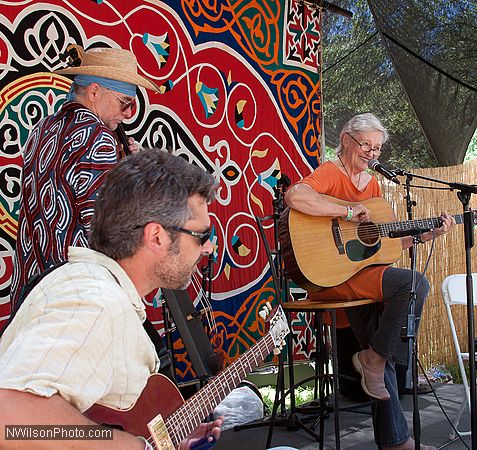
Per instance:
{"type": "Point", "coordinates": [372, 163]}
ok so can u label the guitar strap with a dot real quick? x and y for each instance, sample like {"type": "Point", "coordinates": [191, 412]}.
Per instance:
{"type": "Point", "coordinates": [163, 353]}
{"type": "Point", "coordinates": [26, 289]}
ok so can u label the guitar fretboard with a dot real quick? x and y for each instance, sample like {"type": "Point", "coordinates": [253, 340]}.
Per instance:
{"type": "Point", "coordinates": [189, 416]}
{"type": "Point", "coordinates": [419, 224]}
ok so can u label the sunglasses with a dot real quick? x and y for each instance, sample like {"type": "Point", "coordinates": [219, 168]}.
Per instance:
{"type": "Point", "coordinates": [203, 237]}
{"type": "Point", "coordinates": [124, 104]}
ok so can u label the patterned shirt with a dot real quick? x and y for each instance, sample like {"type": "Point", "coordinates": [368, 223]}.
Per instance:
{"type": "Point", "coordinates": [66, 158]}
{"type": "Point", "coordinates": [79, 334]}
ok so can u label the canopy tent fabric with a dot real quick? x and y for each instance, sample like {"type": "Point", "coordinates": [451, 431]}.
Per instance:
{"type": "Point", "coordinates": [411, 63]}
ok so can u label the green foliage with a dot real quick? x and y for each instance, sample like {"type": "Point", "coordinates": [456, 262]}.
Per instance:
{"type": "Point", "coordinates": [330, 153]}
{"type": "Point", "coordinates": [455, 372]}
{"type": "Point", "coordinates": [303, 394]}
{"type": "Point", "coordinates": [472, 149]}
{"type": "Point", "coordinates": [364, 80]}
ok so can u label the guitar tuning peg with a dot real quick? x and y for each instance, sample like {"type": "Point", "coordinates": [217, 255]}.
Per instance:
{"type": "Point", "coordinates": [269, 306]}
{"type": "Point", "coordinates": [263, 313]}
{"type": "Point", "coordinates": [276, 351]}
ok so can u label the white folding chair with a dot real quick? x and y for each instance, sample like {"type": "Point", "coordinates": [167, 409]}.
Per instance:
{"type": "Point", "coordinates": [454, 293]}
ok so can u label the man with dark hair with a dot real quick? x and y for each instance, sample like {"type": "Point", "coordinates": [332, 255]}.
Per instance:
{"type": "Point", "coordinates": [67, 156]}
{"type": "Point", "coordinates": [77, 339]}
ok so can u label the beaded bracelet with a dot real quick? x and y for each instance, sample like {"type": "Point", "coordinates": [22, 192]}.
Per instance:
{"type": "Point", "coordinates": [349, 215]}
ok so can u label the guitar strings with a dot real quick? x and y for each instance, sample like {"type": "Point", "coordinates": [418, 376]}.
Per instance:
{"type": "Point", "coordinates": [188, 416]}
{"type": "Point", "coordinates": [204, 303]}
{"type": "Point", "coordinates": [374, 231]}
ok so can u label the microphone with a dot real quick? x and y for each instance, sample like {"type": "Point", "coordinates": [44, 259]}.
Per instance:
{"type": "Point", "coordinates": [375, 165]}
{"type": "Point", "coordinates": [411, 232]}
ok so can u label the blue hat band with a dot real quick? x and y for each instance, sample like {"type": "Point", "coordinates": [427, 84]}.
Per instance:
{"type": "Point", "coordinates": [115, 85]}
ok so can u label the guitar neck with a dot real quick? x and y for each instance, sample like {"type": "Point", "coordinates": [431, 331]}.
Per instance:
{"type": "Point", "coordinates": [189, 416]}
{"type": "Point", "coordinates": [429, 224]}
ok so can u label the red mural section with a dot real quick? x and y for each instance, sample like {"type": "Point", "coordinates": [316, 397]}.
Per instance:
{"type": "Point", "coordinates": [240, 97]}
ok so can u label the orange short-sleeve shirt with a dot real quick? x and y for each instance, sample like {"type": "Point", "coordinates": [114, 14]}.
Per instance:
{"type": "Point", "coordinates": [329, 180]}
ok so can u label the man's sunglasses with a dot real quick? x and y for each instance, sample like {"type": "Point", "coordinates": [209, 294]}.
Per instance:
{"type": "Point", "coordinates": [125, 105]}
{"type": "Point", "coordinates": [203, 237]}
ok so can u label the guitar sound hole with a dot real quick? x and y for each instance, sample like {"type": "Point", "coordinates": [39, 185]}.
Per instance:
{"type": "Point", "coordinates": [368, 233]}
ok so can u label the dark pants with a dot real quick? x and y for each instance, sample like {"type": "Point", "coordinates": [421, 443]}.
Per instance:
{"type": "Point", "coordinates": [379, 326]}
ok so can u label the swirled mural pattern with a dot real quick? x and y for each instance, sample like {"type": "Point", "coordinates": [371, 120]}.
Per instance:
{"type": "Point", "coordinates": [241, 97]}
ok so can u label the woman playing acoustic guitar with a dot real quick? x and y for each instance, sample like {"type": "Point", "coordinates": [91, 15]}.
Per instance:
{"type": "Point", "coordinates": [377, 326]}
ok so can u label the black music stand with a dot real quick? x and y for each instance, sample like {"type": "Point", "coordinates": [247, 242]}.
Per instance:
{"type": "Point", "coordinates": [281, 287]}
{"type": "Point", "coordinates": [187, 320]}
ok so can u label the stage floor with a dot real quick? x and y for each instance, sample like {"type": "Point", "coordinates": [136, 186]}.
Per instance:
{"type": "Point", "coordinates": [356, 429]}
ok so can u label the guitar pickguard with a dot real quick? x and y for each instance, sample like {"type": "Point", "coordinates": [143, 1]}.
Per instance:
{"type": "Point", "coordinates": [356, 251]}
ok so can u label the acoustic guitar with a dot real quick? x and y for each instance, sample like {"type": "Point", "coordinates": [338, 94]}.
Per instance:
{"type": "Point", "coordinates": [160, 411]}
{"type": "Point", "coordinates": [324, 251]}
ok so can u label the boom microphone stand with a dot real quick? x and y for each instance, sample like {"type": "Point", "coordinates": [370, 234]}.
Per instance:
{"type": "Point", "coordinates": [464, 192]}
{"type": "Point", "coordinates": [408, 334]}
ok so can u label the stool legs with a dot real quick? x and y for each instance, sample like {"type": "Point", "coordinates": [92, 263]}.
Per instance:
{"type": "Point", "coordinates": [292, 422]}
{"type": "Point", "coordinates": [334, 353]}
{"type": "Point", "coordinates": [328, 383]}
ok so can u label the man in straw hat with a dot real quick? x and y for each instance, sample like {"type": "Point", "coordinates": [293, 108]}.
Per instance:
{"type": "Point", "coordinates": [66, 157]}
{"type": "Point", "coordinates": [77, 338]}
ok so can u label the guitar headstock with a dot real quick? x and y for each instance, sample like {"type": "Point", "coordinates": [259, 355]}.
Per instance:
{"type": "Point", "coordinates": [278, 325]}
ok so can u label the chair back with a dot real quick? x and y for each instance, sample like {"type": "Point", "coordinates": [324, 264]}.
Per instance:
{"type": "Point", "coordinates": [454, 290]}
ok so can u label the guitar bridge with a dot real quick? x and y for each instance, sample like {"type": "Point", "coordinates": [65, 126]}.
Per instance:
{"type": "Point", "coordinates": [159, 434]}
{"type": "Point", "coordinates": [336, 232]}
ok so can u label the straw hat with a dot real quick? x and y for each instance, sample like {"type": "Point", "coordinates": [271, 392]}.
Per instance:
{"type": "Point", "coordinates": [113, 63]}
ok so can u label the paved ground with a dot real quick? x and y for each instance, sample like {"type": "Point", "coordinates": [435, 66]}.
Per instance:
{"type": "Point", "coordinates": [356, 432]}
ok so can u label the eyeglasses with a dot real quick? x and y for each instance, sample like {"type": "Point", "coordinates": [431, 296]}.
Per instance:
{"type": "Point", "coordinates": [203, 237]}
{"type": "Point", "coordinates": [124, 104]}
{"type": "Point", "coordinates": [366, 147]}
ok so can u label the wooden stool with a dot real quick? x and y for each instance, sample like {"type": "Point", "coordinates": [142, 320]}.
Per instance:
{"type": "Point", "coordinates": [316, 306]}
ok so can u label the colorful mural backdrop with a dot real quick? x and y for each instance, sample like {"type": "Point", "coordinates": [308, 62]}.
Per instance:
{"type": "Point", "coordinates": [241, 98]}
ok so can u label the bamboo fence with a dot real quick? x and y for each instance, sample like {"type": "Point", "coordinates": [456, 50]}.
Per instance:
{"type": "Point", "coordinates": [448, 256]}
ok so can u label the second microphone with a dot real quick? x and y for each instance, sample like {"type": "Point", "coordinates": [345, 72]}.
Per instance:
{"type": "Point", "coordinates": [375, 165]}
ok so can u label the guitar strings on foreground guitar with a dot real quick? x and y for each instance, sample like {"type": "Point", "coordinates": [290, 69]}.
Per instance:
{"type": "Point", "coordinates": [324, 251]}
{"type": "Point", "coordinates": [160, 411]}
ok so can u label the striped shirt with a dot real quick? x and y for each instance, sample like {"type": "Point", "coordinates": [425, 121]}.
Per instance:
{"type": "Point", "coordinates": [65, 160]}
